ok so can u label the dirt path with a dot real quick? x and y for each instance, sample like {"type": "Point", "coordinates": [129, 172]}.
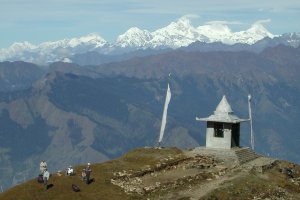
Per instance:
{"type": "Point", "coordinates": [198, 191]}
{"type": "Point", "coordinates": [202, 190]}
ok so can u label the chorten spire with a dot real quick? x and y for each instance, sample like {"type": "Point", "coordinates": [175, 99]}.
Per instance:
{"type": "Point", "coordinates": [223, 107]}
{"type": "Point", "coordinates": [223, 113]}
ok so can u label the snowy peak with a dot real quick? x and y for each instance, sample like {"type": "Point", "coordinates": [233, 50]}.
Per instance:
{"type": "Point", "coordinates": [218, 31]}
{"type": "Point", "coordinates": [183, 33]}
{"type": "Point", "coordinates": [177, 34]}
{"type": "Point", "coordinates": [16, 49]}
{"type": "Point", "coordinates": [259, 30]}
{"type": "Point", "coordinates": [182, 24]}
{"type": "Point", "coordinates": [22, 45]}
{"type": "Point", "coordinates": [52, 51]}
{"type": "Point", "coordinates": [215, 31]}
{"type": "Point", "coordinates": [134, 37]}
{"type": "Point", "coordinates": [255, 33]}
{"type": "Point", "coordinates": [90, 39]}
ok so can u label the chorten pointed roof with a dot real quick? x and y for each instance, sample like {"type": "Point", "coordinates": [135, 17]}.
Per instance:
{"type": "Point", "coordinates": [223, 113]}
{"type": "Point", "coordinates": [223, 106]}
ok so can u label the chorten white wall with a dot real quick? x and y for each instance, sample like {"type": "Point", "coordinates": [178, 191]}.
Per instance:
{"type": "Point", "coordinates": [218, 142]}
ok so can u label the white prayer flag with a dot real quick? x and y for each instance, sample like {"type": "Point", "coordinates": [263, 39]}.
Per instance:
{"type": "Point", "coordinates": [164, 117]}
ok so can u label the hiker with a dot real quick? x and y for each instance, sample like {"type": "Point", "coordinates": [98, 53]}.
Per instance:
{"type": "Point", "coordinates": [88, 171]}
{"type": "Point", "coordinates": [83, 175]}
{"type": "Point", "coordinates": [46, 176]}
{"type": "Point", "coordinates": [289, 170]}
{"type": "Point", "coordinates": [43, 166]}
{"type": "Point", "coordinates": [70, 171]}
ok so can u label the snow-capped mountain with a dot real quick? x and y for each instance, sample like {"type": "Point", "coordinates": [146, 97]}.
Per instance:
{"type": "Point", "coordinates": [215, 32]}
{"type": "Point", "coordinates": [52, 51]}
{"type": "Point", "coordinates": [219, 32]}
{"type": "Point", "coordinates": [177, 34]}
{"type": "Point", "coordinates": [182, 33]}
{"type": "Point", "coordinates": [134, 37]}
{"type": "Point", "coordinates": [93, 40]}
{"type": "Point", "coordinates": [252, 35]}
{"type": "Point", "coordinates": [17, 49]}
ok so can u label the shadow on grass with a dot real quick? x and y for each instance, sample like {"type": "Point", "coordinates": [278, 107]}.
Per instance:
{"type": "Point", "coordinates": [50, 186]}
{"type": "Point", "coordinates": [91, 181]}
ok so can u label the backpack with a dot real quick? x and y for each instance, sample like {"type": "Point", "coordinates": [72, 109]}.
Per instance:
{"type": "Point", "coordinates": [75, 188]}
{"type": "Point", "coordinates": [40, 178]}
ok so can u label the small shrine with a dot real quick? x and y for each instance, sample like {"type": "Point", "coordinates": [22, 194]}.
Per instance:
{"type": "Point", "coordinates": [223, 127]}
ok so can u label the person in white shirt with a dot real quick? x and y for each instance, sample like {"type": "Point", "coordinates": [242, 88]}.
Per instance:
{"type": "Point", "coordinates": [70, 171]}
{"type": "Point", "coordinates": [46, 176]}
{"type": "Point", "coordinates": [43, 166]}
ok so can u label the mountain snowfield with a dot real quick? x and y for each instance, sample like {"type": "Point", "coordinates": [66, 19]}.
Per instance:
{"type": "Point", "coordinates": [182, 33]}
{"type": "Point", "coordinates": [52, 51]}
{"type": "Point", "coordinates": [177, 34]}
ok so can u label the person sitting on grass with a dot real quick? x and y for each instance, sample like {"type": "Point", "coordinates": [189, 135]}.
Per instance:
{"type": "Point", "coordinates": [43, 166]}
{"type": "Point", "coordinates": [70, 171]}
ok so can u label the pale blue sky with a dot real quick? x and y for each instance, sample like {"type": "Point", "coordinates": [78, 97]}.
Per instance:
{"type": "Point", "coordinates": [38, 21]}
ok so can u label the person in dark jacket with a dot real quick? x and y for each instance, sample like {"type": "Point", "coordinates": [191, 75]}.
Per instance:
{"type": "Point", "coordinates": [88, 171]}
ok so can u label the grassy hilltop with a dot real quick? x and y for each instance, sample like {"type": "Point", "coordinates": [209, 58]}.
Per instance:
{"type": "Point", "coordinates": [170, 173]}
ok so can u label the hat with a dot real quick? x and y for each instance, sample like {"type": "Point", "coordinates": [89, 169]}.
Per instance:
{"type": "Point", "coordinates": [89, 163]}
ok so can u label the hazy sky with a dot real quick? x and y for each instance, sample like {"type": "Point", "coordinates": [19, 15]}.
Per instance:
{"type": "Point", "coordinates": [38, 21]}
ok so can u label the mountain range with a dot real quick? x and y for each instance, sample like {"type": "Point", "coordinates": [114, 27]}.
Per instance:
{"type": "Point", "coordinates": [72, 114]}
{"type": "Point", "coordinates": [175, 35]}
{"type": "Point", "coordinates": [84, 99]}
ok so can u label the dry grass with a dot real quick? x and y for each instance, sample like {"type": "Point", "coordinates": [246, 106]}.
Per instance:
{"type": "Point", "coordinates": [272, 184]}
{"type": "Point", "coordinates": [101, 188]}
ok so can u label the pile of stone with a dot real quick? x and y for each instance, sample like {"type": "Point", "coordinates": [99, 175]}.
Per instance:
{"type": "Point", "coordinates": [129, 185]}
{"type": "Point", "coordinates": [207, 168]}
{"type": "Point", "coordinates": [199, 162]}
